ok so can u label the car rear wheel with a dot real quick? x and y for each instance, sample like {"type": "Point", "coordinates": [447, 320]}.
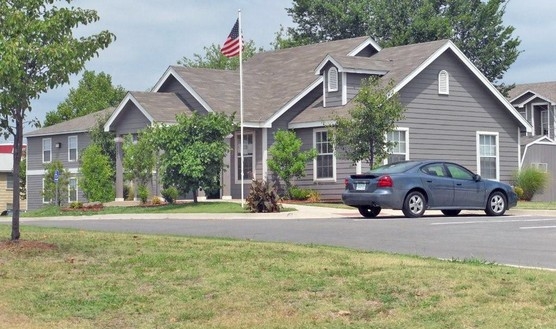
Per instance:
{"type": "Point", "coordinates": [496, 204]}
{"type": "Point", "coordinates": [369, 212]}
{"type": "Point", "coordinates": [451, 212]}
{"type": "Point", "coordinates": [414, 204]}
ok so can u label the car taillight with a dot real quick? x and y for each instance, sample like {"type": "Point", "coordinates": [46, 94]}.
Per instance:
{"type": "Point", "coordinates": [346, 181]}
{"type": "Point", "coordinates": [385, 181]}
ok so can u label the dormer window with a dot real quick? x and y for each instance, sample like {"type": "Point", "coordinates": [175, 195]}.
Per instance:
{"type": "Point", "coordinates": [443, 83]}
{"type": "Point", "coordinates": [333, 79]}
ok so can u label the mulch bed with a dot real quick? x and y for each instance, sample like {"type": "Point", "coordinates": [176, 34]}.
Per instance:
{"type": "Point", "coordinates": [26, 245]}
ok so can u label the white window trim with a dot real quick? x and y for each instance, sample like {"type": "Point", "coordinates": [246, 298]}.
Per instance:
{"type": "Point", "coordinates": [328, 179]}
{"type": "Point", "coordinates": [406, 142]}
{"type": "Point", "coordinates": [443, 82]}
{"type": "Point", "coordinates": [331, 86]}
{"type": "Point", "coordinates": [44, 201]}
{"type": "Point", "coordinates": [49, 140]}
{"type": "Point", "coordinates": [344, 88]}
{"type": "Point", "coordinates": [478, 137]}
{"type": "Point", "coordinates": [237, 156]}
{"type": "Point", "coordinates": [76, 189]}
{"type": "Point", "coordinates": [76, 148]}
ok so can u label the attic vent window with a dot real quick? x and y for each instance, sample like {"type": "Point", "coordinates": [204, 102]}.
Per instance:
{"type": "Point", "coordinates": [333, 79]}
{"type": "Point", "coordinates": [443, 83]}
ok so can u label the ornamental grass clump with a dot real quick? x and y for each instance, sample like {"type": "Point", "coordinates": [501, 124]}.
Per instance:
{"type": "Point", "coordinates": [530, 180]}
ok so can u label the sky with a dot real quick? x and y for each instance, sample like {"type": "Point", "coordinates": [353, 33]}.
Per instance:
{"type": "Point", "coordinates": [152, 35]}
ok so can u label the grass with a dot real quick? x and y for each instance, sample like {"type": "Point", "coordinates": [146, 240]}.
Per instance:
{"type": "Point", "coordinates": [101, 280]}
{"type": "Point", "coordinates": [536, 205]}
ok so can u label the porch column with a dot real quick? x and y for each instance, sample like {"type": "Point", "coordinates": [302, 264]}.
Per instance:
{"type": "Point", "coordinates": [226, 176]}
{"type": "Point", "coordinates": [119, 169]}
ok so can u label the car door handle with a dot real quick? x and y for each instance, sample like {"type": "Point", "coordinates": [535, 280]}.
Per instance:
{"type": "Point", "coordinates": [429, 181]}
{"type": "Point", "coordinates": [458, 184]}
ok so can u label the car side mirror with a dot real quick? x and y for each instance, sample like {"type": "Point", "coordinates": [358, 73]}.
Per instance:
{"type": "Point", "coordinates": [477, 178]}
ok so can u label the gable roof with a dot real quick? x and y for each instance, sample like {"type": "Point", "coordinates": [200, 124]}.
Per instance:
{"type": "Point", "coordinates": [77, 125]}
{"type": "Point", "coordinates": [543, 90]}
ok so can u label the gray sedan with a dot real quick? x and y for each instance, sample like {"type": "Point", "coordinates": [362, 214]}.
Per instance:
{"type": "Point", "coordinates": [415, 186]}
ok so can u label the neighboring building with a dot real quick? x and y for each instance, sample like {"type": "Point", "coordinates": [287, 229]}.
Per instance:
{"type": "Point", "coordinates": [63, 141]}
{"type": "Point", "coordinates": [537, 103]}
{"type": "Point", "coordinates": [7, 180]}
{"type": "Point", "coordinates": [452, 111]}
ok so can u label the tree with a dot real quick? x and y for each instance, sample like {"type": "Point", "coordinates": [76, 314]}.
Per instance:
{"type": "Point", "coordinates": [287, 160]}
{"type": "Point", "coordinates": [56, 191]}
{"type": "Point", "coordinates": [38, 52]}
{"type": "Point", "coordinates": [96, 173]}
{"type": "Point", "coordinates": [362, 135]}
{"type": "Point", "coordinates": [193, 150]}
{"type": "Point", "coordinates": [94, 93]}
{"type": "Point", "coordinates": [139, 159]}
{"type": "Point", "coordinates": [104, 140]}
{"type": "Point", "coordinates": [213, 58]}
{"type": "Point", "coordinates": [475, 26]}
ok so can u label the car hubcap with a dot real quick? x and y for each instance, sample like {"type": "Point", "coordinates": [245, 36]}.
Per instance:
{"type": "Point", "coordinates": [416, 204]}
{"type": "Point", "coordinates": [497, 204]}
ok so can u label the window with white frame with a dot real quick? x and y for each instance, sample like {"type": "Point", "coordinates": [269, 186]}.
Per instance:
{"type": "Point", "coordinates": [399, 151]}
{"type": "Point", "coordinates": [487, 161]}
{"type": "Point", "coordinates": [544, 123]}
{"type": "Point", "coordinates": [72, 148]}
{"type": "Point", "coordinates": [9, 181]}
{"type": "Point", "coordinates": [543, 167]}
{"type": "Point", "coordinates": [46, 150]}
{"type": "Point", "coordinates": [443, 82]}
{"type": "Point", "coordinates": [248, 157]}
{"type": "Point", "coordinates": [72, 189]}
{"type": "Point", "coordinates": [325, 162]}
{"type": "Point", "coordinates": [44, 200]}
{"type": "Point", "coordinates": [333, 79]}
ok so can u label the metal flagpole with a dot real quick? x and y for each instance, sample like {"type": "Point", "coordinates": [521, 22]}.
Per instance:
{"type": "Point", "coordinates": [241, 100]}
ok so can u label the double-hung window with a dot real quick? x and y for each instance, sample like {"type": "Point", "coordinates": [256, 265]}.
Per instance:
{"type": "Point", "coordinates": [72, 148]}
{"type": "Point", "coordinates": [46, 150]}
{"type": "Point", "coordinates": [325, 162]}
{"type": "Point", "coordinates": [399, 152]}
{"type": "Point", "coordinates": [488, 155]}
{"type": "Point", "coordinates": [248, 157]}
{"type": "Point", "coordinates": [72, 189]}
{"type": "Point", "coordinates": [10, 181]}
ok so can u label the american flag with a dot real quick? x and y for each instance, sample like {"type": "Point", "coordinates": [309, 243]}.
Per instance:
{"type": "Point", "coordinates": [232, 43]}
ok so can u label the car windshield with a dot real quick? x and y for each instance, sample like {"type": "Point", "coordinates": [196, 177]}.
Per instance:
{"type": "Point", "coordinates": [394, 168]}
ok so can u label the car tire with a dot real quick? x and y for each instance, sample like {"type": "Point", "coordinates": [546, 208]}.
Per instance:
{"type": "Point", "coordinates": [414, 204]}
{"type": "Point", "coordinates": [496, 204]}
{"type": "Point", "coordinates": [369, 212]}
{"type": "Point", "coordinates": [451, 212]}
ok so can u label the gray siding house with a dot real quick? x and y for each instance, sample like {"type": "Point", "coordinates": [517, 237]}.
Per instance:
{"type": "Point", "coordinates": [452, 111]}
{"type": "Point", "coordinates": [536, 102]}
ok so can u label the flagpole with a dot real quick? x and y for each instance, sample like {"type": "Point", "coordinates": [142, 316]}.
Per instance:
{"type": "Point", "coordinates": [241, 101]}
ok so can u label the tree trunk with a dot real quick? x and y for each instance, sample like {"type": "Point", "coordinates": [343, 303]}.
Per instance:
{"type": "Point", "coordinates": [18, 148]}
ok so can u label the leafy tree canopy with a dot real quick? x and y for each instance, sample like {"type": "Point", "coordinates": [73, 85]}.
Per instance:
{"type": "Point", "coordinates": [95, 92]}
{"type": "Point", "coordinates": [213, 58]}
{"type": "Point", "coordinates": [475, 26]}
{"type": "Point", "coordinates": [97, 174]}
{"type": "Point", "coordinates": [361, 136]}
{"type": "Point", "coordinates": [38, 52]}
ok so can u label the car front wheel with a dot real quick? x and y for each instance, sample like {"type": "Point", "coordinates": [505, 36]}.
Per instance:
{"type": "Point", "coordinates": [369, 212]}
{"type": "Point", "coordinates": [496, 204]}
{"type": "Point", "coordinates": [414, 205]}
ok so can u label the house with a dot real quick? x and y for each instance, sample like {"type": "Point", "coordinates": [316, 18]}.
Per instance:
{"type": "Point", "coordinates": [537, 103]}
{"type": "Point", "coordinates": [64, 142]}
{"type": "Point", "coordinates": [452, 111]}
{"type": "Point", "coordinates": [7, 178]}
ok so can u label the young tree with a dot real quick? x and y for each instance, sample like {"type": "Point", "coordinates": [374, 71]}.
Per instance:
{"type": "Point", "coordinates": [95, 92]}
{"type": "Point", "coordinates": [286, 158]}
{"type": "Point", "coordinates": [139, 159]}
{"type": "Point", "coordinates": [193, 150]}
{"type": "Point", "coordinates": [214, 59]}
{"type": "Point", "coordinates": [362, 135]}
{"type": "Point", "coordinates": [56, 191]}
{"type": "Point", "coordinates": [38, 52]}
{"type": "Point", "coordinates": [96, 175]}
{"type": "Point", "coordinates": [104, 140]}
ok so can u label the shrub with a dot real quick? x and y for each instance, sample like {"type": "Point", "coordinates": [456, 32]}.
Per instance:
{"type": "Point", "coordinates": [519, 191]}
{"type": "Point", "coordinates": [314, 196]}
{"type": "Point", "coordinates": [530, 180]}
{"type": "Point", "coordinates": [128, 193]}
{"type": "Point", "coordinates": [143, 193]}
{"type": "Point", "coordinates": [156, 200]}
{"type": "Point", "coordinates": [170, 194]}
{"type": "Point", "coordinates": [298, 193]}
{"type": "Point", "coordinates": [76, 205]}
{"type": "Point", "coordinates": [263, 197]}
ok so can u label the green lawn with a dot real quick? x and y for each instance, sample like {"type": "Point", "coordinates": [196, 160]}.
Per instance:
{"type": "Point", "coordinates": [101, 280]}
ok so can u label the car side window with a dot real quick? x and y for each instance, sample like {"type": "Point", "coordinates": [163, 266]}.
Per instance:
{"type": "Point", "coordinates": [435, 169]}
{"type": "Point", "coordinates": [459, 172]}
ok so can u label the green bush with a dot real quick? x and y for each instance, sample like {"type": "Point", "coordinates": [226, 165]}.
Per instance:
{"type": "Point", "coordinates": [531, 181]}
{"type": "Point", "coordinates": [314, 196]}
{"type": "Point", "coordinates": [263, 197]}
{"type": "Point", "coordinates": [128, 193]}
{"type": "Point", "coordinates": [170, 194]}
{"type": "Point", "coordinates": [76, 205]}
{"type": "Point", "coordinates": [143, 193]}
{"type": "Point", "coordinates": [519, 191]}
{"type": "Point", "coordinates": [298, 193]}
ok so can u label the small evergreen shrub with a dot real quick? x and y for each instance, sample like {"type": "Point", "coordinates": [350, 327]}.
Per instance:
{"type": "Point", "coordinates": [530, 180]}
{"type": "Point", "coordinates": [263, 197]}
{"type": "Point", "coordinates": [143, 193]}
{"type": "Point", "coordinates": [170, 194]}
{"type": "Point", "coordinates": [76, 205]}
{"type": "Point", "coordinates": [298, 193]}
